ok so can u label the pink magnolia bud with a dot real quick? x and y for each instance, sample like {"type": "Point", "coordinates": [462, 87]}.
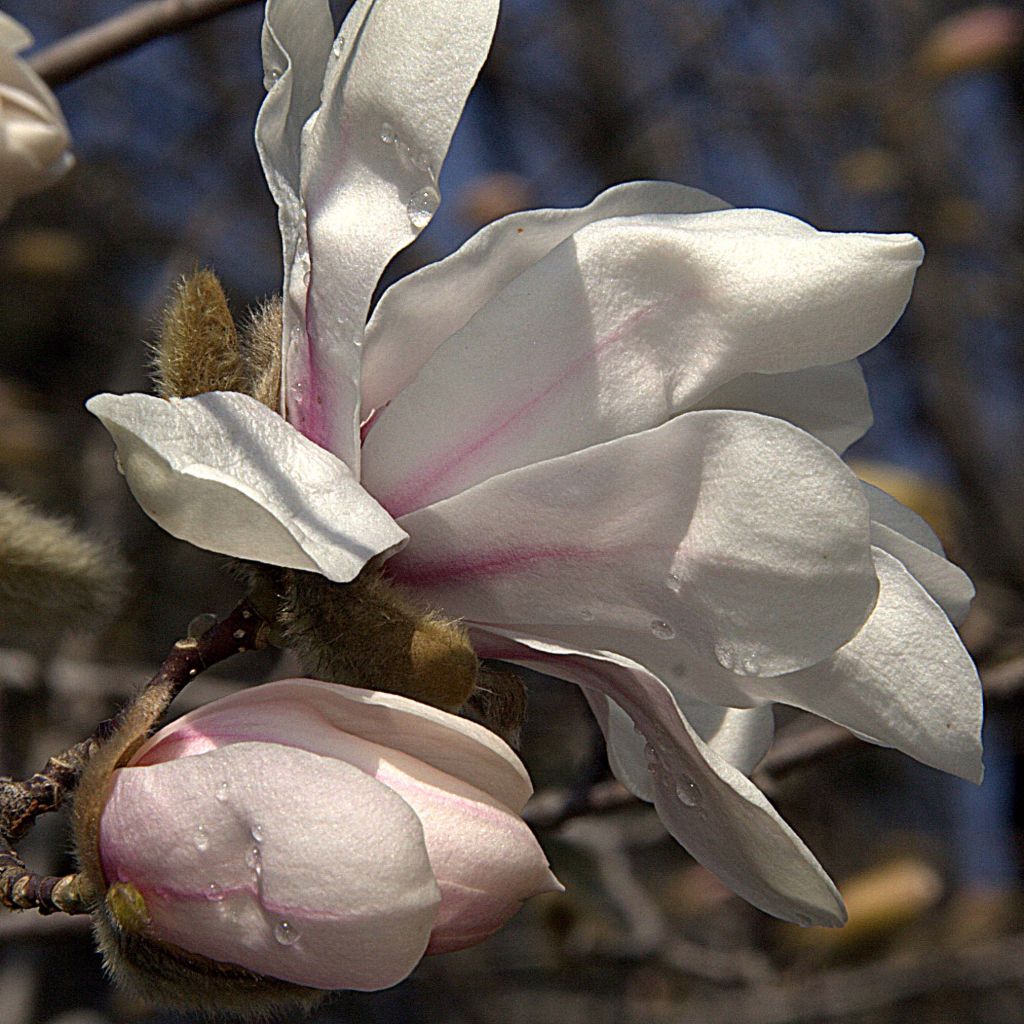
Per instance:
{"type": "Point", "coordinates": [33, 136]}
{"type": "Point", "coordinates": [320, 834]}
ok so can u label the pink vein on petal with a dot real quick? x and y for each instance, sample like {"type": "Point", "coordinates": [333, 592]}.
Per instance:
{"type": "Point", "coordinates": [415, 491]}
{"type": "Point", "coordinates": [466, 568]}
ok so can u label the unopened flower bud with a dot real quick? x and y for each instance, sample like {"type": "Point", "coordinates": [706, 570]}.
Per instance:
{"type": "Point", "coordinates": [304, 836]}
{"type": "Point", "coordinates": [34, 139]}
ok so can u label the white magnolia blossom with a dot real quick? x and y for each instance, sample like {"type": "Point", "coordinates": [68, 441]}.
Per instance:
{"type": "Point", "coordinates": [34, 139]}
{"type": "Point", "coordinates": [410, 838]}
{"type": "Point", "coordinates": [608, 438]}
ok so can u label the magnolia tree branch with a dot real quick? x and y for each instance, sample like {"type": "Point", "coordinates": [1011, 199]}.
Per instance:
{"type": "Point", "coordinates": [21, 802]}
{"type": "Point", "coordinates": [141, 23]}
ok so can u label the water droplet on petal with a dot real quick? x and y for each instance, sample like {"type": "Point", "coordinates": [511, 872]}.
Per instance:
{"type": "Point", "coordinates": [270, 77]}
{"type": "Point", "coordinates": [422, 205]}
{"type": "Point", "coordinates": [118, 465]}
{"type": "Point", "coordinates": [285, 933]}
{"type": "Point", "coordinates": [307, 276]}
{"type": "Point", "coordinates": [339, 46]}
{"type": "Point", "coordinates": [201, 839]}
{"type": "Point", "coordinates": [253, 860]}
{"type": "Point", "coordinates": [688, 792]}
{"type": "Point", "coordinates": [662, 630]}
{"type": "Point", "coordinates": [653, 764]}
{"type": "Point", "coordinates": [674, 582]}
{"type": "Point", "coordinates": [586, 615]}
{"type": "Point", "coordinates": [257, 832]}
{"type": "Point", "coordinates": [387, 133]}
{"type": "Point", "coordinates": [214, 893]}
{"type": "Point", "coordinates": [222, 790]}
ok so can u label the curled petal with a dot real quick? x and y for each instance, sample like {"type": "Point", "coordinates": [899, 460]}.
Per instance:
{"type": "Point", "coordinates": [225, 473]}
{"type": "Point", "coordinates": [322, 717]}
{"type": "Point", "coordinates": [394, 85]}
{"type": "Point", "coordinates": [422, 310]}
{"type": "Point", "coordinates": [269, 874]}
{"type": "Point", "coordinates": [710, 807]}
{"type": "Point", "coordinates": [906, 536]}
{"type": "Point", "coordinates": [735, 533]}
{"type": "Point", "coordinates": [622, 326]}
{"type": "Point", "coordinates": [740, 736]}
{"type": "Point", "coordinates": [903, 681]}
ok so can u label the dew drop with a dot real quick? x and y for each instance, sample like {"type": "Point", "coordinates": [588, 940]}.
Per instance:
{"type": "Point", "coordinates": [652, 759]}
{"type": "Point", "coordinates": [214, 893]}
{"type": "Point", "coordinates": [586, 615]}
{"type": "Point", "coordinates": [674, 582]}
{"type": "Point", "coordinates": [253, 860]}
{"type": "Point", "coordinates": [201, 624]}
{"type": "Point", "coordinates": [270, 77]}
{"type": "Point", "coordinates": [118, 465]}
{"type": "Point", "coordinates": [387, 133]}
{"type": "Point", "coordinates": [201, 839]}
{"type": "Point", "coordinates": [307, 276]}
{"type": "Point", "coordinates": [422, 205]}
{"type": "Point", "coordinates": [688, 792]}
{"type": "Point", "coordinates": [222, 791]}
{"type": "Point", "coordinates": [662, 630]}
{"type": "Point", "coordinates": [339, 46]}
{"type": "Point", "coordinates": [285, 933]}
{"type": "Point", "coordinates": [257, 832]}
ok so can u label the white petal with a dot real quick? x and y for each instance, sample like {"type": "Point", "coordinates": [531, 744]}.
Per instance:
{"type": "Point", "coordinates": [740, 736]}
{"type": "Point", "coordinates": [297, 39]}
{"type": "Point", "coordinates": [829, 402]}
{"type": "Point", "coordinates": [395, 85]}
{"type": "Point", "coordinates": [34, 137]}
{"type": "Point", "coordinates": [348, 876]}
{"type": "Point", "coordinates": [416, 314]}
{"type": "Point", "coordinates": [905, 535]}
{"type": "Point", "coordinates": [623, 325]}
{"type": "Point", "coordinates": [225, 473]}
{"type": "Point", "coordinates": [317, 716]}
{"type": "Point", "coordinates": [904, 681]}
{"type": "Point", "coordinates": [712, 809]}
{"type": "Point", "coordinates": [13, 35]}
{"type": "Point", "coordinates": [735, 532]}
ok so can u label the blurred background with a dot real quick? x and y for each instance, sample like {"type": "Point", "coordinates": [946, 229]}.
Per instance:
{"type": "Point", "coordinates": [881, 115]}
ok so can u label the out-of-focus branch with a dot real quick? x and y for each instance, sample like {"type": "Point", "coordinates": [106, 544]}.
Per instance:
{"type": "Point", "coordinates": [141, 23]}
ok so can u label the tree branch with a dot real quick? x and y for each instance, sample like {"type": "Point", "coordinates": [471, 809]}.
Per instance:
{"type": "Point", "coordinates": [70, 57]}
{"type": "Point", "coordinates": [22, 802]}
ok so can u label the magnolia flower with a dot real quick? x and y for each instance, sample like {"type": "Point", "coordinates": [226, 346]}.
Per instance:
{"type": "Point", "coordinates": [607, 438]}
{"type": "Point", "coordinates": [34, 139]}
{"type": "Point", "coordinates": [321, 834]}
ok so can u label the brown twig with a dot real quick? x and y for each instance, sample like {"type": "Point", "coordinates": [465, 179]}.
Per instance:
{"type": "Point", "coordinates": [141, 23]}
{"type": "Point", "coordinates": [21, 802]}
